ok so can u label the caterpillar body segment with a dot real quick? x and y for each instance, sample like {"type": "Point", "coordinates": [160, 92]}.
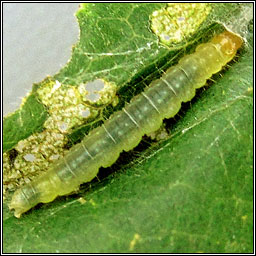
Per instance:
{"type": "Point", "coordinates": [124, 130]}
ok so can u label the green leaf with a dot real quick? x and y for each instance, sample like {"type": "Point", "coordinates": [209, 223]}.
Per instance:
{"type": "Point", "coordinates": [23, 122]}
{"type": "Point", "coordinates": [192, 192]}
{"type": "Point", "coordinates": [115, 43]}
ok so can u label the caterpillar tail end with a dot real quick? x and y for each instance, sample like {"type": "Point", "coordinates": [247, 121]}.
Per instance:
{"type": "Point", "coordinates": [42, 190]}
{"type": "Point", "coordinates": [18, 204]}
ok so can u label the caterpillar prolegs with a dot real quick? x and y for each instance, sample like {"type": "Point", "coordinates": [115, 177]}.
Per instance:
{"type": "Point", "coordinates": [124, 130]}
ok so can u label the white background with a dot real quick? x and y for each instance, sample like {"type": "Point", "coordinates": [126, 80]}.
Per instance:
{"type": "Point", "coordinates": [37, 41]}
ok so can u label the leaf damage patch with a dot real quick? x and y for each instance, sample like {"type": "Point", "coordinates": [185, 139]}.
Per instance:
{"type": "Point", "coordinates": [178, 21]}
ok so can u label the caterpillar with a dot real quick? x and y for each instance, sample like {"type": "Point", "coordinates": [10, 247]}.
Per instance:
{"type": "Point", "coordinates": [124, 130]}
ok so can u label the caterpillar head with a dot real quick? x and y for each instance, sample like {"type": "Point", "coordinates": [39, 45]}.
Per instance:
{"type": "Point", "coordinates": [228, 43]}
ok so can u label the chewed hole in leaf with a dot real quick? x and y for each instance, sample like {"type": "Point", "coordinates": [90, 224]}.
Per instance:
{"type": "Point", "coordinates": [94, 97]}
{"type": "Point", "coordinates": [95, 85]}
{"type": "Point", "coordinates": [98, 91]}
{"type": "Point", "coordinates": [85, 112]}
{"type": "Point", "coordinates": [30, 157]}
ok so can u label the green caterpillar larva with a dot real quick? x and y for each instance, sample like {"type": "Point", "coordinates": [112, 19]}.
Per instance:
{"type": "Point", "coordinates": [162, 99]}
